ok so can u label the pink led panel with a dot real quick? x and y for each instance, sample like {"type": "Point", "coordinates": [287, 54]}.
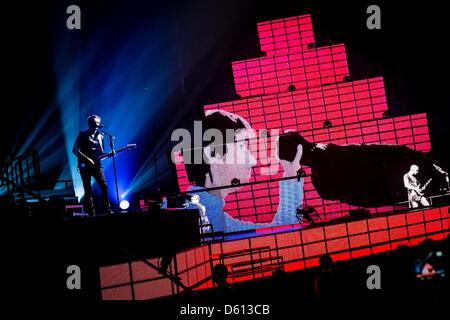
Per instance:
{"type": "Point", "coordinates": [287, 35]}
{"type": "Point", "coordinates": [306, 109]}
{"type": "Point", "coordinates": [355, 110]}
{"type": "Point", "coordinates": [307, 69]}
{"type": "Point", "coordinates": [259, 202]}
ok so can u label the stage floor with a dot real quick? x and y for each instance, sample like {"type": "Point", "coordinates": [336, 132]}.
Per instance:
{"type": "Point", "coordinates": [254, 254]}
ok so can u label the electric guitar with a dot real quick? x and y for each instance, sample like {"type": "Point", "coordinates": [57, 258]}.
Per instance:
{"type": "Point", "coordinates": [110, 154]}
{"type": "Point", "coordinates": [104, 156]}
{"type": "Point", "coordinates": [415, 195]}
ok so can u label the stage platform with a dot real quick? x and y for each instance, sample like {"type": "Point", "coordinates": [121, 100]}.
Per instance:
{"type": "Point", "coordinates": [258, 253]}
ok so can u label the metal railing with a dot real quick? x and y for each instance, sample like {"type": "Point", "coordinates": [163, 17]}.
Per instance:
{"type": "Point", "coordinates": [22, 171]}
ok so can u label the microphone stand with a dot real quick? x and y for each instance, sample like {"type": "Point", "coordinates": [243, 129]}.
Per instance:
{"type": "Point", "coordinates": [111, 144]}
{"type": "Point", "coordinates": [445, 173]}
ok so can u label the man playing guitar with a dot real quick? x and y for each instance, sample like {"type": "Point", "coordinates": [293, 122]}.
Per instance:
{"type": "Point", "coordinates": [415, 191]}
{"type": "Point", "coordinates": [88, 148]}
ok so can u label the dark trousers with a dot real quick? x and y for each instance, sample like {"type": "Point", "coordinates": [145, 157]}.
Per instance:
{"type": "Point", "coordinates": [86, 174]}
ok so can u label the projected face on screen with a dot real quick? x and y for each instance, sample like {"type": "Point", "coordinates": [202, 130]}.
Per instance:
{"type": "Point", "coordinates": [229, 164]}
{"type": "Point", "coordinates": [232, 166]}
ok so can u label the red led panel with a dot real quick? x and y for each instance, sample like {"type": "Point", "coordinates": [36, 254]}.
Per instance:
{"type": "Point", "coordinates": [142, 272]}
{"type": "Point", "coordinates": [114, 275]}
{"type": "Point", "coordinates": [315, 249]}
{"type": "Point", "coordinates": [312, 235]}
{"type": "Point", "coordinates": [337, 245]}
{"type": "Point", "coordinates": [306, 109]}
{"type": "Point", "coordinates": [293, 253]}
{"type": "Point", "coordinates": [398, 233]}
{"type": "Point", "coordinates": [275, 74]}
{"type": "Point", "coordinates": [354, 109]}
{"type": "Point", "coordinates": [258, 203]}
{"type": "Point", "coordinates": [146, 290]}
{"type": "Point", "coordinates": [335, 231]}
{"type": "Point", "coordinates": [288, 35]}
{"type": "Point", "coordinates": [117, 293]}
{"type": "Point", "coordinates": [344, 240]}
{"type": "Point", "coordinates": [379, 236]}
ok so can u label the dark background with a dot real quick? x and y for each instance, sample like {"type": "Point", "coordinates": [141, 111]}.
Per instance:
{"type": "Point", "coordinates": [201, 39]}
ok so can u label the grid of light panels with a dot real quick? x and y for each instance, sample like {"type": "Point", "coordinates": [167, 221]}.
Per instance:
{"type": "Point", "coordinates": [306, 109]}
{"type": "Point", "coordinates": [301, 70]}
{"type": "Point", "coordinates": [299, 249]}
{"type": "Point", "coordinates": [354, 111]}
{"type": "Point", "coordinates": [289, 35]}
{"type": "Point", "coordinates": [259, 202]}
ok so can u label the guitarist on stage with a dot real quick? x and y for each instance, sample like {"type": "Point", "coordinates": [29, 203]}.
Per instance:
{"type": "Point", "coordinates": [88, 148]}
{"type": "Point", "coordinates": [415, 191]}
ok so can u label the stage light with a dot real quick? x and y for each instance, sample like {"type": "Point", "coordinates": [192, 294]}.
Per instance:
{"type": "Point", "coordinates": [124, 205]}
{"type": "Point", "coordinates": [387, 114]}
{"type": "Point", "coordinates": [311, 45]}
{"type": "Point", "coordinates": [327, 124]}
{"type": "Point", "coordinates": [291, 88]}
{"type": "Point", "coordinates": [235, 182]}
{"type": "Point", "coordinates": [347, 78]}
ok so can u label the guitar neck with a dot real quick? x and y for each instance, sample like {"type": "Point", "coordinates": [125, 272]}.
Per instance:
{"type": "Point", "coordinates": [425, 185]}
{"type": "Point", "coordinates": [121, 149]}
{"type": "Point", "coordinates": [109, 154]}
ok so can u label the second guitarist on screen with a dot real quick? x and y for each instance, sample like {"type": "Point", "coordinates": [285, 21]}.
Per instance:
{"type": "Point", "coordinates": [415, 190]}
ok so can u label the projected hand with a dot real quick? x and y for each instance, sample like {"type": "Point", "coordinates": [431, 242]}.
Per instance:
{"type": "Point", "coordinates": [291, 168]}
{"type": "Point", "coordinates": [321, 146]}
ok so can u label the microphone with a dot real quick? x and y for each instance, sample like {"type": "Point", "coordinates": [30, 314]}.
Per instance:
{"type": "Point", "coordinates": [104, 132]}
{"type": "Point", "coordinates": [100, 126]}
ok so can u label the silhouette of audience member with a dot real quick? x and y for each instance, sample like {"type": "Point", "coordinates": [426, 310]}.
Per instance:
{"type": "Point", "coordinates": [224, 292]}
{"type": "Point", "coordinates": [324, 285]}
{"type": "Point", "coordinates": [280, 293]}
{"type": "Point", "coordinates": [279, 277]}
{"type": "Point", "coordinates": [278, 285]}
{"type": "Point", "coordinates": [400, 282]}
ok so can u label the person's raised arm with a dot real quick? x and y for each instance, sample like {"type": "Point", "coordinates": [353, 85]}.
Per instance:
{"type": "Point", "coordinates": [291, 191]}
